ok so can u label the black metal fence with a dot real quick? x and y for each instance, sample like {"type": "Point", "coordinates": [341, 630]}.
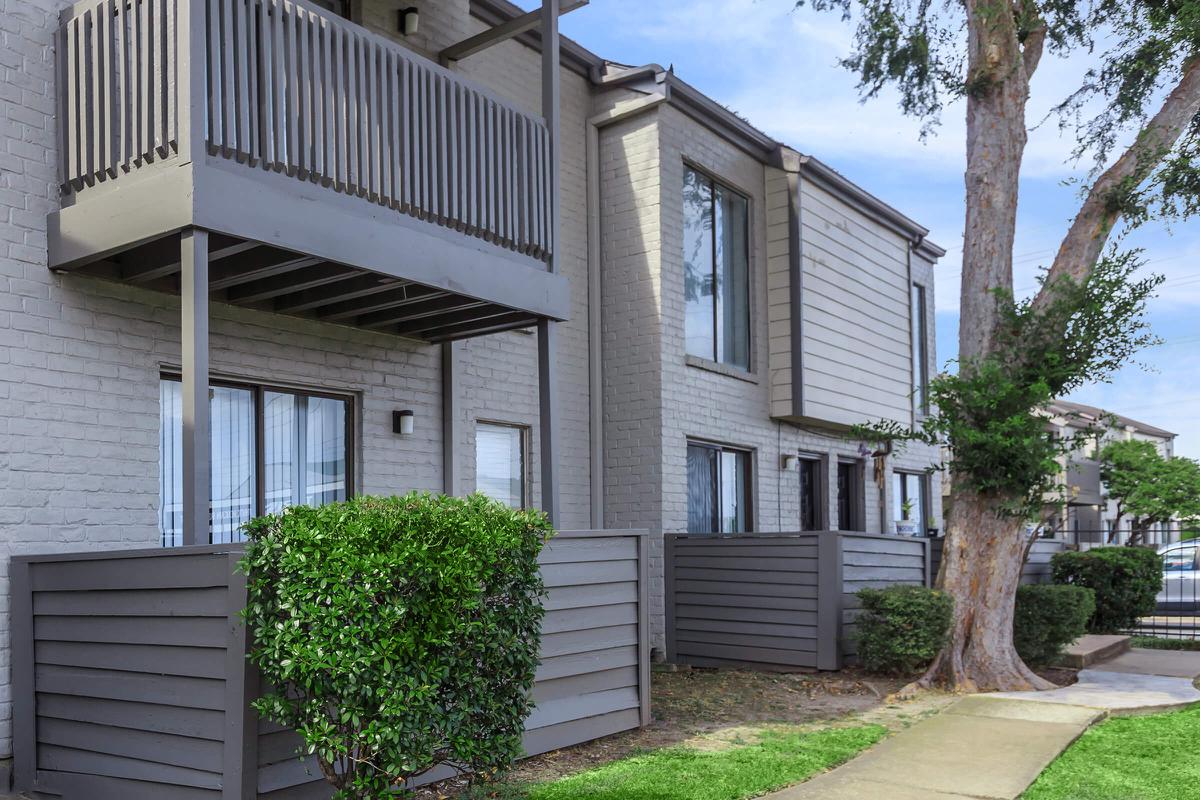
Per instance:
{"type": "Point", "coordinates": [1177, 615]}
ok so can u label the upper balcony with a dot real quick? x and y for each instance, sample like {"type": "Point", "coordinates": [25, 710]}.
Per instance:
{"type": "Point", "coordinates": [339, 175]}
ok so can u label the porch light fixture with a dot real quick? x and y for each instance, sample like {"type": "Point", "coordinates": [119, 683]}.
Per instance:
{"type": "Point", "coordinates": [789, 463]}
{"type": "Point", "coordinates": [410, 20]}
{"type": "Point", "coordinates": [403, 422]}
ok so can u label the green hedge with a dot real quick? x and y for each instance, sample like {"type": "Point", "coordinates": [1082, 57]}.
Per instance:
{"type": "Point", "coordinates": [1126, 581]}
{"type": "Point", "coordinates": [1048, 618]}
{"type": "Point", "coordinates": [401, 633]}
{"type": "Point", "coordinates": [902, 628]}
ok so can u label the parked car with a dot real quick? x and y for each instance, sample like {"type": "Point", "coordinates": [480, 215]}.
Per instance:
{"type": "Point", "coordinates": [1181, 577]}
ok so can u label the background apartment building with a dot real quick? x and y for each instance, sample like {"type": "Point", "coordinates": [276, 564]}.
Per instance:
{"type": "Point", "coordinates": [725, 308]}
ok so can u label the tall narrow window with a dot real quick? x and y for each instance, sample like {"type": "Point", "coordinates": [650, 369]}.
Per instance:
{"type": "Point", "coordinates": [910, 498]}
{"type": "Point", "coordinates": [716, 260]}
{"type": "Point", "coordinates": [811, 501]}
{"type": "Point", "coordinates": [920, 350]}
{"type": "Point", "coordinates": [718, 489]}
{"type": "Point", "coordinates": [301, 457]}
{"type": "Point", "coordinates": [500, 463]}
{"type": "Point", "coordinates": [850, 498]}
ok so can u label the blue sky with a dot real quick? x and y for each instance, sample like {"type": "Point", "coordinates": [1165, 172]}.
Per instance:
{"type": "Point", "coordinates": [777, 68]}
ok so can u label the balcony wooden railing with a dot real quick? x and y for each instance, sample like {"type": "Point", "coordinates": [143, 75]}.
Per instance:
{"type": "Point", "coordinates": [291, 89]}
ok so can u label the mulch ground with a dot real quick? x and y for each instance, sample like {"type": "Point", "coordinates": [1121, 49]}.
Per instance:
{"type": "Point", "coordinates": [694, 703]}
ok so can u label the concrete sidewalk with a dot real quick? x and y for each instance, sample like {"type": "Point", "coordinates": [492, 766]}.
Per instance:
{"type": "Point", "coordinates": [993, 747]}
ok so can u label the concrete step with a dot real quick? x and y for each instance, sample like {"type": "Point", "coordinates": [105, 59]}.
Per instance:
{"type": "Point", "coordinates": [1093, 649]}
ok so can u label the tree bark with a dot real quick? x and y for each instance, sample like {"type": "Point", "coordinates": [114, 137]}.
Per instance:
{"type": "Point", "coordinates": [981, 568]}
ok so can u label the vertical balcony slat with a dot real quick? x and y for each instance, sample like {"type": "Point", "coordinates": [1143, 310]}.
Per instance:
{"type": "Point", "coordinates": [363, 123]}
{"type": "Point", "coordinates": [539, 197]}
{"type": "Point", "coordinates": [339, 99]}
{"type": "Point", "coordinates": [308, 94]}
{"type": "Point", "coordinates": [290, 82]}
{"type": "Point", "coordinates": [354, 122]}
{"type": "Point", "coordinates": [172, 76]}
{"type": "Point", "coordinates": [124, 87]}
{"type": "Point", "coordinates": [158, 108]}
{"type": "Point", "coordinates": [266, 79]}
{"type": "Point", "coordinates": [372, 108]}
{"type": "Point", "coordinates": [328, 110]}
{"type": "Point", "coordinates": [470, 138]}
{"type": "Point", "coordinates": [229, 77]}
{"type": "Point", "coordinates": [457, 134]}
{"type": "Point", "coordinates": [406, 136]}
{"type": "Point", "coordinates": [242, 49]}
{"type": "Point", "coordinates": [71, 86]}
{"type": "Point", "coordinates": [439, 171]}
{"type": "Point", "coordinates": [396, 132]}
{"type": "Point", "coordinates": [99, 110]}
{"type": "Point", "coordinates": [279, 86]}
{"type": "Point", "coordinates": [146, 70]}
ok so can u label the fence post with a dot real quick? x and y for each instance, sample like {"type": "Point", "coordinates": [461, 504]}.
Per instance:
{"type": "Point", "coordinates": [669, 594]}
{"type": "Point", "coordinates": [829, 600]}
{"type": "Point", "coordinates": [24, 712]}
{"type": "Point", "coordinates": [240, 767]}
{"type": "Point", "coordinates": [643, 554]}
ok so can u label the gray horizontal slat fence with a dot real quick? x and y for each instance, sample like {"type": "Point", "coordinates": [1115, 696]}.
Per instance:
{"type": "Point", "coordinates": [874, 561]}
{"type": "Point", "coordinates": [779, 601]}
{"type": "Point", "coordinates": [130, 677]}
{"type": "Point", "coordinates": [1037, 566]}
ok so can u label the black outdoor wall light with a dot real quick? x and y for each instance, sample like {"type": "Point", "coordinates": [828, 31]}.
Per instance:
{"type": "Point", "coordinates": [403, 422]}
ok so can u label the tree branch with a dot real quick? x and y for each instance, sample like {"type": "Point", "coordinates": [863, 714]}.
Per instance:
{"type": "Point", "coordinates": [1089, 231]}
{"type": "Point", "coordinates": [1032, 49]}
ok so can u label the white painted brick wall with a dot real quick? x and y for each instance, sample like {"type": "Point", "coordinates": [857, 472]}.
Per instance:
{"type": "Point", "coordinates": [80, 358]}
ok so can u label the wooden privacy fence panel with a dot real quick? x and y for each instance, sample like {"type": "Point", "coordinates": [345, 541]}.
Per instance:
{"type": "Point", "coordinates": [1036, 569]}
{"type": "Point", "coordinates": [294, 89]}
{"type": "Point", "coordinates": [130, 676]}
{"type": "Point", "coordinates": [777, 600]}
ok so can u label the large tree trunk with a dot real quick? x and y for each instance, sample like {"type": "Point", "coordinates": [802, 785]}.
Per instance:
{"type": "Point", "coordinates": [981, 568]}
{"type": "Point", "coordinates": [985, 552]}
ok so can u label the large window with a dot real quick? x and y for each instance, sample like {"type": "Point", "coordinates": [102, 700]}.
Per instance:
{"type": "Point", "coordinates": [911, 490]}
{"type": "Point", "coordinates": [920, 350]}
{"type": "Point", "coordinates": [716, 265]}
{"type": "Point", "coordinates": [500, 463]}
{"type": "Point", "coordinates": [811, 494]}
{"type": "Point", "coordinates": [850, 497]}
{"type": "Point", "coordinates": [718, 489]}
{"type": "Point", "coordinates": [270, 448]}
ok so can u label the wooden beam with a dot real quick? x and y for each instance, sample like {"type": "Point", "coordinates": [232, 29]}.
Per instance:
{"type": "Point", "coordinates": [481, 327]}
{"type": "Point", "coordinates": [307, 277]}
{"type": "Point", "coordinates": [501, 33]}
{"type": "Point", "coordinates": [349, 289]}
{"type": "Point", "coordinates": [407, 313]}
{"type": "Point", "coordinates": [263, 262]}
{"type": "Point", "coordinates": [429, 322]}
{"type": "Point", "coordinates": [388, 298]}
{"type": "Point", "coordinates": [161, 259]}
{"type": "Point", "coordinates": [193, 257]}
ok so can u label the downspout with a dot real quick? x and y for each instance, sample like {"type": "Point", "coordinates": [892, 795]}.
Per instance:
{"type": "Point", "coordinates": [619, 113]}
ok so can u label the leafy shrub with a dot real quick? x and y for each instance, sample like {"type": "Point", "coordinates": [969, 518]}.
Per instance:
{"type": "Point", "coordinates": [902, 628]}
{"type": "Point", "coordinates": [400, 633]}
{"type": "Point", "coordinates": [1125, 580]}
{"type": "Point", "coordinates": [1048, 618]}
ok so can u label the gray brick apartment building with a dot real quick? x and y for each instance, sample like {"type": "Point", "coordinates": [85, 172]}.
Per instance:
{"type": "Point", "coordinates": [722, 307]}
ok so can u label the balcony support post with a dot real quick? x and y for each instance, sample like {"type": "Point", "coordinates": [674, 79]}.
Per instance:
{"type": "Point", "coordinates": [547, 333]}
{"type": "Point", "coordinates": [193, 259]}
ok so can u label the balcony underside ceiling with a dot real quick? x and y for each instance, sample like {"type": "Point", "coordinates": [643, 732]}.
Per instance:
{"type": "Point", "coordinates": [288, 246]}
{"type": "Point", "coordinates": [266, 278]}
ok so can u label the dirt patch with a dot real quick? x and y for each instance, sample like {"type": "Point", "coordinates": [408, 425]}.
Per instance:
{"type": "Point", "coordinates": [714, 709]}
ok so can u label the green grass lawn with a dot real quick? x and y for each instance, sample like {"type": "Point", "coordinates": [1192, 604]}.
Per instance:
{"type": "Point", "coordinates": [1128, 758]}
{"type": "Point", "coordinates": [774, 761]}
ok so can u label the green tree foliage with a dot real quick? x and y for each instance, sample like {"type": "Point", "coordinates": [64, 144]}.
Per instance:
{"type": "Point", "coordinates": [1147, 487]}
{"type": "Point", "coordinates": [400, 634]}
{"type": "Point", "coordinates": [989, 413]}
{"type": "Point", "coordinates": [1125, 580]}
{"type": "Point", "coordinates": [1048, 618]}
{"type": "Point", "coordinates": [901, 628]}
